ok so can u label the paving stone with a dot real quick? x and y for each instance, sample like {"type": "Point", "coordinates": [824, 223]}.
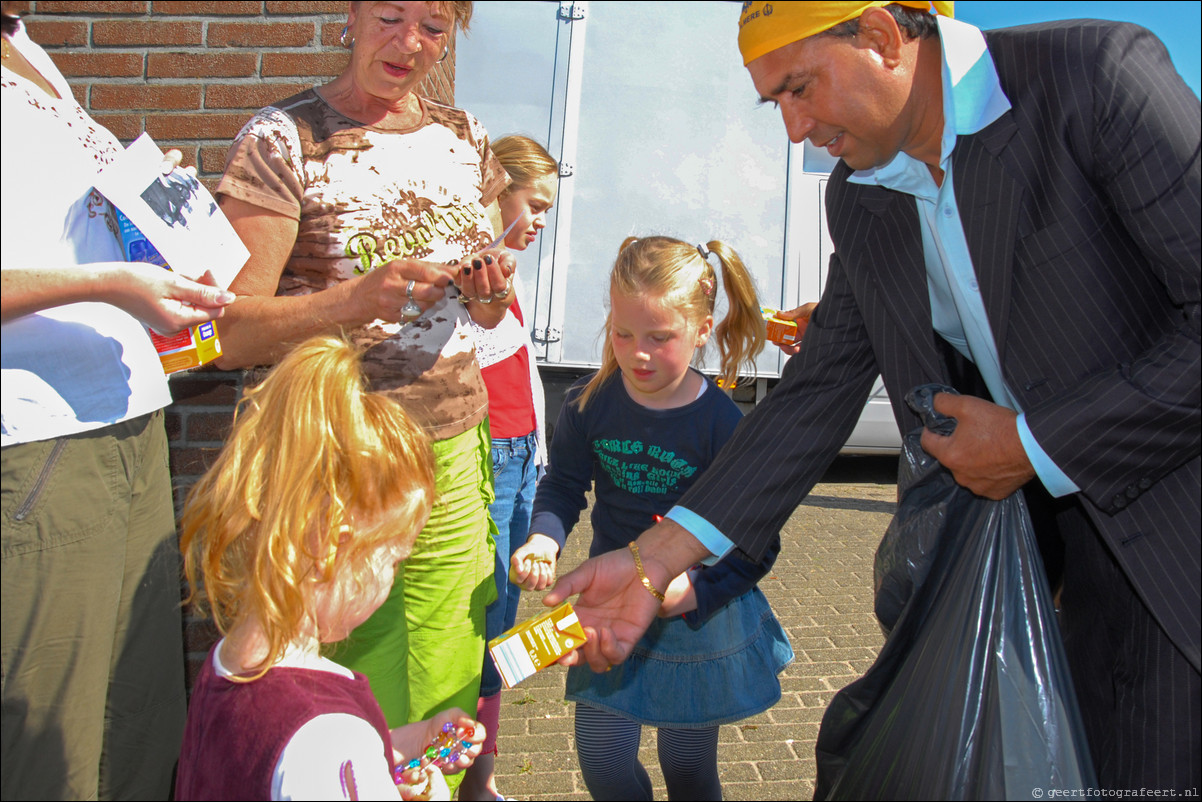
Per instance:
{"type": "Point", "coordinates": [821, 590]}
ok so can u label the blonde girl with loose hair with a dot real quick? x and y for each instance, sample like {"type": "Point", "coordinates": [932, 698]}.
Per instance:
{"type": "Point", "coordinates": [291, 539]}
{"type": "Point", "coordinates": [638, 433]}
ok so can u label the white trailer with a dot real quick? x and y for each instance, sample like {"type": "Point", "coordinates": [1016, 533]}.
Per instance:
{"type": "Point", "coordinates": [655, 123]}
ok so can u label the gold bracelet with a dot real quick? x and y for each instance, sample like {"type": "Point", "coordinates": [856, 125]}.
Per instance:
{"type": "Point", "coordinates": [638, 564]}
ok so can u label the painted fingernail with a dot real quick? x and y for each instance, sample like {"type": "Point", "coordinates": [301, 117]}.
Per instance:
{"type": "Point", "coordinates": [467, 270]}
{"type": "Point", "coordinates": [476, 264]}
{"type": "Point", "coordinates": [488, 260]}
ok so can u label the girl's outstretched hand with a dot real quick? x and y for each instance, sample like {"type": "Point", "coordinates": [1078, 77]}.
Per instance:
{"type": "Point", "coordinates": [411, 741]}
{"type": "Point", "coordinates": [533, 564]}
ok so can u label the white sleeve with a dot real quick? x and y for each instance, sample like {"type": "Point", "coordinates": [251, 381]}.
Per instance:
{"type": "Point", "coordinates": [333, 756]}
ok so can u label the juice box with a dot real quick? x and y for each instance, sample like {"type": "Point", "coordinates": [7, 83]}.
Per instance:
{"type": "Point", "coordinates": [533, 645]}
{"type": "Point", "coordinates": [185, 349]}
{"type": "Point", "coordinates": [780, 331]}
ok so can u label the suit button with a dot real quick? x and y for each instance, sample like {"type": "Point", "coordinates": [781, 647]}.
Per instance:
{"type": "Point", "coordinates": [1132, 492]}
{"type": "Point", "coordinates": [1145, 483]}
{"type": "Point", "coordinates": [1120, 501]}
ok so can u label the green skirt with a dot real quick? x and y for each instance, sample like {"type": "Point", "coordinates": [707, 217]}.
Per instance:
{"type": "Point", "coordinates": [424, 648]}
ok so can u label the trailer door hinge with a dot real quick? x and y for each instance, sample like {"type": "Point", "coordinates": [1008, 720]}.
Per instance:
{"type": "Point", "coordinates": [570, 12]}
{"type": "Point", "coordinates": [566, 170]}
{"type": "Point", "coordinates": [549, 335]}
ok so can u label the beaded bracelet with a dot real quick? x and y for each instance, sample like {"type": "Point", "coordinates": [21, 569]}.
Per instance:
{"type": "Point", "coordinates": [638, 564]}
{"type": "Point", "coordinates": [446, 748]}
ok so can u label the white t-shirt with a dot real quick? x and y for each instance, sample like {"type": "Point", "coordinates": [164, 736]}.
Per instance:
{"type": "Point", "coordinates": [78, 367]}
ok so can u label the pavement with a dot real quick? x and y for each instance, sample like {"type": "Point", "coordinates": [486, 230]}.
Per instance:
{"type": "Point", "coordinates": [821, 590]}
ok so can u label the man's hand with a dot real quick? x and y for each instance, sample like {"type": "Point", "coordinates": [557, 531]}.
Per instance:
{"type": "Point", "coordinates": [984, 453]}
{"type": "Point", "coordinates": [614, 607]}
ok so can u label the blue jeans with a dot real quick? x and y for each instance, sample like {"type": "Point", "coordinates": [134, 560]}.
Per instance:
{"type": "Point", "coordinates": [514, 476]}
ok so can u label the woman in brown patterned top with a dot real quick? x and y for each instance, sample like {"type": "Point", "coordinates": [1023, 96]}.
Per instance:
{"type": "Point", "coordinates": [353, 198]}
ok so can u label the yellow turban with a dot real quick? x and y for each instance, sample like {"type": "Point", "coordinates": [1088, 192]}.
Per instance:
{"type": "Point", "coordinates": [763, 27]}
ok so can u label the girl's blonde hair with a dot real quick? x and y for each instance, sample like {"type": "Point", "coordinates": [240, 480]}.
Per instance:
{"type": "Point", "coordinates": [525, 160]}
{"type": "Point", "coordinates": [317, 473]}
{"type": "Point", "coordinates": [682, 278]}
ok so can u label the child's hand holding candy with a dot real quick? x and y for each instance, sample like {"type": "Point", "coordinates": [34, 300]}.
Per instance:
{"type": "Point", "coordinates": [448, 742]}
{"type": "Point", "coordinates": [533, 564]}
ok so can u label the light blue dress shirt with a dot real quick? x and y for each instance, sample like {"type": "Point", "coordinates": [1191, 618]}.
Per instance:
{"type": "Point", "coordinates": [972, 99]}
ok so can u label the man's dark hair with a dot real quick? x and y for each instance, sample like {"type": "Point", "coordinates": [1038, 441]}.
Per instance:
{"type": "Point", "coordinates": [8, 24]}
{"type": "Point", "coordinates": [916, 23]}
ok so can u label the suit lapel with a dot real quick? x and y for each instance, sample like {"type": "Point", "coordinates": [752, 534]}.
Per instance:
{"type": "Point", "coordinates": [896, 266]}
{"type": "Point", "coordinates": [990, 201]}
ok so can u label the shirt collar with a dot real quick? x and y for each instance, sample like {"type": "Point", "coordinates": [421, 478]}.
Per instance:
{"type": "Point", "coordinates": [972, 99]}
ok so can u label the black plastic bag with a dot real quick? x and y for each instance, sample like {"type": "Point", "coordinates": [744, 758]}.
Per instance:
{"type": "Point", "coordinates": [970, 697]}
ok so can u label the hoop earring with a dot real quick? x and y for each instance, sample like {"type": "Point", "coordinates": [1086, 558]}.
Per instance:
{"type": "Point", "coordinates": [343, 38]}
{"type": "Point", "coordinates": [446, 51]}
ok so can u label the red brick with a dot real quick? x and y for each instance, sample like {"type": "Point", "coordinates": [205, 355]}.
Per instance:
{"type": "Point", "coordinates": [331, 34]}
{"type": "Point", "coordinates": [79, 90]}
{"type": "Point", "coordinates": [212, 160]}
{"type": "Point", "coordinates": [143, 96]}
{"type": "Point", "coordinates": [323, 65]}
{"type": "Point", "coordinates": [194, 126]}
{"type": "Point", "coordinates": [191, 461]}
{"type": "Point", "coordinates": [241, 8]}
{"type": "Point", "coordinates": [106, 65]}
{"type": "Point", "coordinates": [18, 8]}
{"type": "Point", "coordinates": [57, 33]}
{"type": "Point", "coordinates": [171, 421]}
{"type": "Point", "coordinates": [126, 127]}
{"type": "Point", "coordinates": [99, 7]}
{"type": "Point", "coordinates": [201, 65]}
{"type": "Point", "coordinates": [126, 33]}
{"type": "Point", "coordinates": [286, 7]}
{"type": "Point", "coordinates": [207, 427]}
{"type": "Point", "coordinates": [260, 34]}
{"type": "Point", "coordinates": [206, 389]}
{"type": "Point", "coordinates": [249, 96]}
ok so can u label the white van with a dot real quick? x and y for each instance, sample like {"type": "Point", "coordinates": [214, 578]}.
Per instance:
{"type": "Point", "coordinates": [655, 123]}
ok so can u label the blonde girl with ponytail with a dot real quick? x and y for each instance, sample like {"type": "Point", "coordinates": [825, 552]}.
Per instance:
{"type": "Point", "coordinates": [638, 433]}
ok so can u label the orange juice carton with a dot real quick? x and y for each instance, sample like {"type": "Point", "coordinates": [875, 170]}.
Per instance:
{"type": "Point", "coordinates": [185, 349]}
{"type": "Point", "coordinates": [781, 331]}
{"type": "Point", "coordinates": [533, 645]}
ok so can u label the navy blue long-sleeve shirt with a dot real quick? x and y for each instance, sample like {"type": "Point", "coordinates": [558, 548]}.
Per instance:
{"type": "Point", "coordinates": [639, 461]}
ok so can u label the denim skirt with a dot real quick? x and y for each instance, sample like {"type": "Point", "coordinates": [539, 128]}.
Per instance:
{"type": "Point", "coordinates": [681, 677]}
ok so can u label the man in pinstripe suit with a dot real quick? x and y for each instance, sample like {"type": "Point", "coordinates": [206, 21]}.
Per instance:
{"type": "Point", "coordinates": [1017, 214]}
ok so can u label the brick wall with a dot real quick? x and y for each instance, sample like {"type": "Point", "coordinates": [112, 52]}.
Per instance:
{"type": "Point", "coordinates": [190, 74]}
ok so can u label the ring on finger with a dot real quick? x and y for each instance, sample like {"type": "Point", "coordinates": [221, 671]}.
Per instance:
{"type": "Point", "coordinates": [485, 300]}
{"type": "Point", "coordinates": [501, 295]}
{"type": "Point", "coordinates": [410, 310]}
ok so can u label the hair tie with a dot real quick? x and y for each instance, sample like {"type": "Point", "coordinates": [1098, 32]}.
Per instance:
{"type": "Point", "coordinates": [705, 252]}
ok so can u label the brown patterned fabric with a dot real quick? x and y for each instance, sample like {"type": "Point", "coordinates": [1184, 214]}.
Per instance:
{"type": "Point", "coordinates": [365, 196]}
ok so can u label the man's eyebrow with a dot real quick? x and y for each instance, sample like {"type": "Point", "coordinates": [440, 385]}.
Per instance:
{"type": "Point", "coordinates": [791, 78]}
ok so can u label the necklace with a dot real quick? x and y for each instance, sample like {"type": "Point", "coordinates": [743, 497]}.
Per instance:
{"type": "Point", "coordinates": [7, 49]}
